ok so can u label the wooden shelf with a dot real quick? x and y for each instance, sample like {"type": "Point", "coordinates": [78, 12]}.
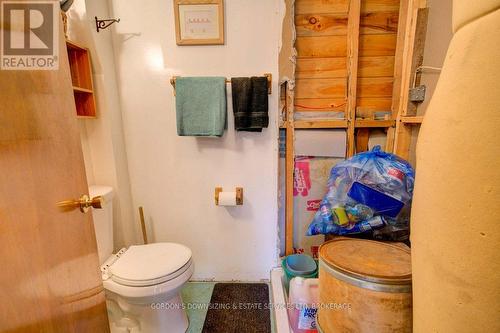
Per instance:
{"type": "Point", "coordinates": [334, 123]}
{"type": "Point", "coordinates": [81, 76]}
{"type": "Point", "coordinates": [371, 123]}
{"type": "Point", "coordinates": [413, 120]}
{"type": "Point", "coordinates": [341, 123]}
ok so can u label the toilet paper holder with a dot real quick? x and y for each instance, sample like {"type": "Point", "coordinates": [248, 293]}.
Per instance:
{"type": "Point", "coordinates": [239, 195]}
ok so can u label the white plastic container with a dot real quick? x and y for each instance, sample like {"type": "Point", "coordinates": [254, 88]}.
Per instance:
{"type": "Point", "coordinates": [303, 301]}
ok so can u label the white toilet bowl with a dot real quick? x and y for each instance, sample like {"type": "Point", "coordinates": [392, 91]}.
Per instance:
{"type": "Point", "coordinates": [143, 286]}
{"type": "Point", "coordinates": [142, 282]}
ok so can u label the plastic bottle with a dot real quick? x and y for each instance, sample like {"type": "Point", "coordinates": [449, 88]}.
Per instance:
{"type": "Point", "coordinates": [326, 212]}
{"type": "Point", "coordinates": [303, 300]}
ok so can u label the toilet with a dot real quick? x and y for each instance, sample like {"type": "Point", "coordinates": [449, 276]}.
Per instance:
{"type": "Point", "coordinates": [142, 282]}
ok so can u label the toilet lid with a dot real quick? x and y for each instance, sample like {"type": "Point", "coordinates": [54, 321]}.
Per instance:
{"type": "Point", "coordinates": [150, 264]}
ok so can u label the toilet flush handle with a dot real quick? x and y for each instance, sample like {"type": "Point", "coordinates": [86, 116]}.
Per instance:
{"type": "Point", "coordinates": [84, 203]}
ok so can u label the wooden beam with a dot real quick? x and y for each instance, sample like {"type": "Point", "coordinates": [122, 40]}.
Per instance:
{"type": "Point", "coordinates": [366, 106]}
{"type": "Point", "coordinates": [335, 46]}
{"type": "Point", "coordinates": [376, 66]}
{"type": "Point", "coordinates": [362, 138]}
{"type": "Point", "coordinates": [320, 88]}
{"type": "Point", "coordinates": [412, 56]}
{"type": "Point", "coordinates": [398, 65]}
{"type": "Point", "coordinates": [341, 6]}
{"type": "Point", "coordinates": [289, 171]}
{"type": "Point", "coordinates": [415, 120]}
{"type": "Point", "coordinates": [336, 88]}
{"type": "Point", "coordinates": [321, 24]}
{"type": "Point", "coordinates": [336, 67]}
{"type": "Point", "coordinates": [377, 45]}
{"type": "Point", "coordinates": [320, 104]}
{"type": "Point", "coordinates": [306, 124]}
{"type": "Point", "coordinates": [374, 6]}
{"type": "Point", "coordinates": [378, 23]}
{"type": "Point", "coordinates": [352, 71]}
{"type": "Point", "coordinates": [371, 123]}
{"type": "Point", "coordinates": [321, 68]}
{"type": "Point", "coordinates": [323, 46]}
{"type": "Point", "coordinates": [326, 6]}
{"type": "Point", "coordinates": [336, 24]}
{"type": "Point", "coordinates": [374, 87]}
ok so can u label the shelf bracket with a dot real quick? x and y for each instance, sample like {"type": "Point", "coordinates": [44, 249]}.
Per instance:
{"type": "Point", "coordinates": [103, 24]}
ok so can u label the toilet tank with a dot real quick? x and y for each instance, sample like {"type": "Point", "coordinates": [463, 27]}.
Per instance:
{"type": "Point", "coordinates": [103, 221]}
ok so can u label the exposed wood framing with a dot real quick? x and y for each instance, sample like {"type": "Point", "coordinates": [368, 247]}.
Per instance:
{"type": "Point", "coordinates": [366, 123]}
{"type": "Point", "coordinates": [305, 124]}
{"type": "Point", "coordinates": [289, 172]}
{"type": "Point", "coordinates": [412, 120]}
{"type": "Point", "coordinates": [286, 70]}
{"type": "Point", "coordinates": [398, 65]}
{"type": "Point", "coordinates": [352, 71]}
{"type": "Point", "coordinates": [362, 138]}
{"type": "Point", "coordinates": [352, 60]}
{"type": "Point", "coordinates": [414, 41]}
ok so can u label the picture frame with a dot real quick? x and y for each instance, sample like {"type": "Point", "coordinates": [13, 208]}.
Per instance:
{"type": "Point", "coordinates": [199, 22]}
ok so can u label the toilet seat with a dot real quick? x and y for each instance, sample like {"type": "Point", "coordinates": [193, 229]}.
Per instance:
{"type": "Point", "coordinates": [153, 293]}
{"type": "Point", "coordinates": [147, 265]}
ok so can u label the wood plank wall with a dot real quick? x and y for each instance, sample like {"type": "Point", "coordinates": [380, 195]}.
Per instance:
{"type": "Point", "coordinates": [321, 73]}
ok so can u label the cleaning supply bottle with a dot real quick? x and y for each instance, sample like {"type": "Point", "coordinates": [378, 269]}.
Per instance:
{"type": "Point", "coordinates": [303, 304]}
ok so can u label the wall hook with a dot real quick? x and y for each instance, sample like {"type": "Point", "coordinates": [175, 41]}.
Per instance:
{"type": "Point", "coordinates": [103, 24]}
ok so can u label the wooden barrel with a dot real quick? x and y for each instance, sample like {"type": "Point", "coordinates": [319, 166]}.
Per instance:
{"type": "Point", "coordinates": [364, 286]}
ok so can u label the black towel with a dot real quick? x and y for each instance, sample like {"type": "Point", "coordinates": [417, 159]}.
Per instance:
{"type": "Point", "coordinates": [250, 103]}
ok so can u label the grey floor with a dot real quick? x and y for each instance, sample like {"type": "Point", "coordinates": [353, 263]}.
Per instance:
{"type": "Point", "coordinates": [196, 297]}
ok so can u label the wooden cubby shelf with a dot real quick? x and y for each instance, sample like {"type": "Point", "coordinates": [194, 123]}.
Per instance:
{"type": "Point", "coordinates": [81, 76]}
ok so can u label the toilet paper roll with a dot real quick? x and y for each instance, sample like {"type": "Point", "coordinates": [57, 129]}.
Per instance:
{"type": "Point", "coordinates": [227, 199]}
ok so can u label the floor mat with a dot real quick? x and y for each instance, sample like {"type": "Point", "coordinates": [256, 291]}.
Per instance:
{"type": "Point", "coordinates": [196, 297]}
{"type": "Point", "coordinates": [239, 308]}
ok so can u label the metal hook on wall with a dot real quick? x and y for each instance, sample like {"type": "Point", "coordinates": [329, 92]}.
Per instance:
{"type": "Point", "coordinates": [103, 24]}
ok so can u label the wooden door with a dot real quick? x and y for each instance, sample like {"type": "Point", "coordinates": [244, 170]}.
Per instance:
{"type": "Point", "coordinates": [50, 279]}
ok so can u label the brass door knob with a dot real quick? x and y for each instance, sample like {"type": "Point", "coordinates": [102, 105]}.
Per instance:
{"type": "Point", "coordinates": [84, 203]}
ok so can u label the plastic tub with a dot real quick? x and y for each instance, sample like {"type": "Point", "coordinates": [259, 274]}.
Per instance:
{"type": "Point", "coordinates": [301, 265]}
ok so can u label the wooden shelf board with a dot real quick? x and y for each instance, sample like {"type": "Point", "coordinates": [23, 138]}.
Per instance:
{"type": "Point", "coordinates": [305, 124]}
{"type": "Point", "coordinates": [84, 90]}
{"type": "Point", "coordinates": [367, 123]}
{"type": "Point", "coordinates": [413, 120]}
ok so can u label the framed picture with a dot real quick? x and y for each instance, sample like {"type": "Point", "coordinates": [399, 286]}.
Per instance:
{"type": "Point", "coordinates": [199, 22]}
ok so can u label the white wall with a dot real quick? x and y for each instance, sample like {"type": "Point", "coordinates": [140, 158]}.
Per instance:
{"type": "Point", "coordinates": [102, 138]}
{"type": "Point", "coordinates": [174, 177]}
{"type": "Point", "coordinates": [437, 39]}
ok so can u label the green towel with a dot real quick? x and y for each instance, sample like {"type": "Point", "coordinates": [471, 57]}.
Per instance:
{"type": "Point", "coordinates": [201, 106]}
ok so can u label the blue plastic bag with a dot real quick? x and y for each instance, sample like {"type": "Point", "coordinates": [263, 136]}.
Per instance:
{"type": "Point", "coordinates": [370, 192]}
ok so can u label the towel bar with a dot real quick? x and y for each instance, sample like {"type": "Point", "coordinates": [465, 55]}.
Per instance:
{"type": "Point", "coordinates": [268, 75]}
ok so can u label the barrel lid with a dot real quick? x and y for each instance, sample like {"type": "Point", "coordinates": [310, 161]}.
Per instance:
{"type": "Point", "coordinates": [368, 260]}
